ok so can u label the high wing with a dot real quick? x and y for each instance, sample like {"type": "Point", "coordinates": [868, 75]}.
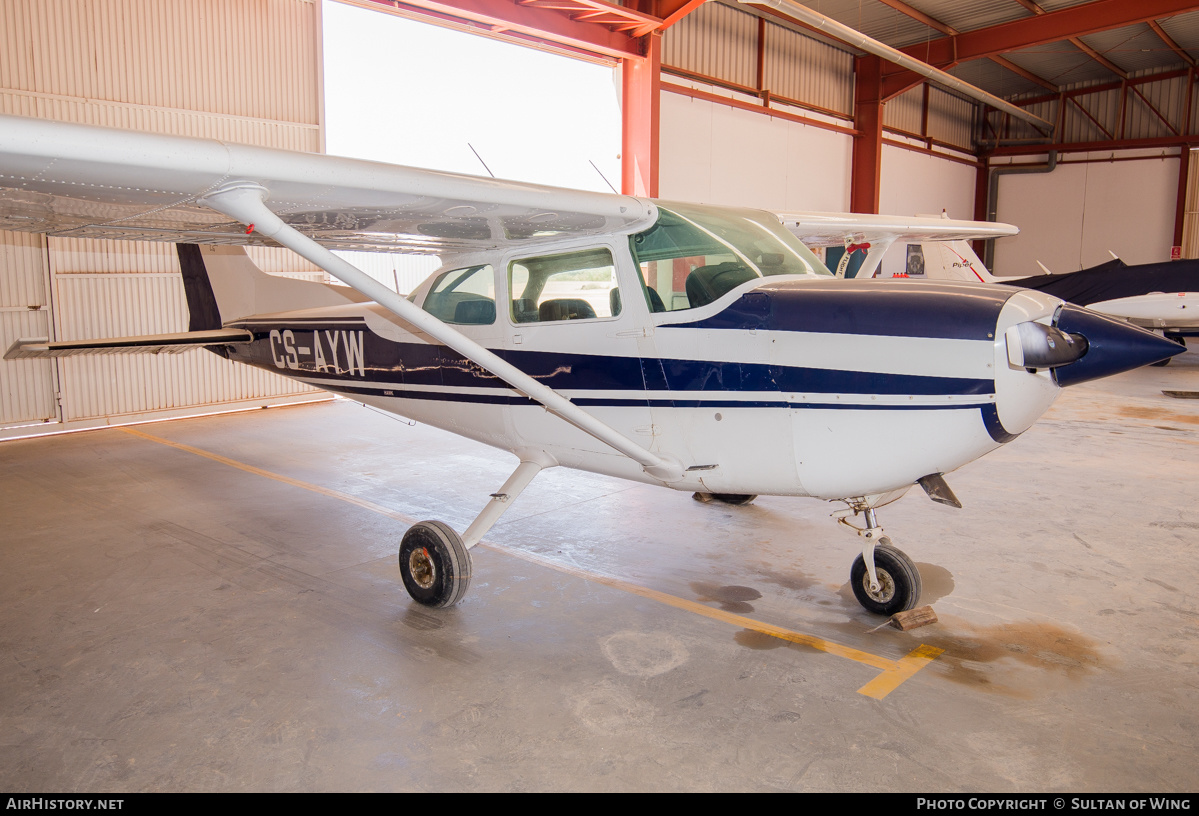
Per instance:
{"type": "Point", "coordinates": [876, 233]}
{"type": "Point", "coordinates": [76, 180]}
{"type": "Point", "coordinates": [82, 181]}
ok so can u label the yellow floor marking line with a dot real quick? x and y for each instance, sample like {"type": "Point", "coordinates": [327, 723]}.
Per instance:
{"type": "Point", "coordinates": [894, 672]}
{"type": "Point", "coordinates": [224, 460]}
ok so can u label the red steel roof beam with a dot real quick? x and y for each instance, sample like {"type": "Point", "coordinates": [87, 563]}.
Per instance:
{"type": "Point", "coordinates": [1154, 109]}
{"type": "Point", "coordinates": [899, 82]}
{"type": "Point", "coordinates": [1099, 58]}
{"type": "Point", "coordinates": [1054, 26]}
{"type": "Point", "coordinates": [867, 161]}
{"type": "Point", "coordinates": [671, 11]}
{"type": "Point", "coordinates": [641, 115]}
{"type": "Point", "coordinates": [1169, 41]}
{"type": "Point", "coordinates": [544, 24]}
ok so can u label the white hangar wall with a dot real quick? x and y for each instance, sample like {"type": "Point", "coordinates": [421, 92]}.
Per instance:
{"type": "Point", "coordinates": [713, 153]}
{"type": "Point", "coordinates": [245, 72]}
{"type": "Point", "coordinates": [1088, 204]}
{"type": "Point", "coordinates": [758, 114]}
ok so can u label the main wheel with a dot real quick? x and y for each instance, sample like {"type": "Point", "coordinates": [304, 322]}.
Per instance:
{"type": "Point", "coordinates": [898, 578]}
{"type": "Point", "coordinates": [434, 564]}
{"type": "Point", "coordinates": [734, 498]}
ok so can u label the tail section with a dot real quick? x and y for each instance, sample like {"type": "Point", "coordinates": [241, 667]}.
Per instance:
{"type": "Point", "coordinates": [201, 303]}
{"type": "Point", "coordinates": [947, 260]}
{"type": "Point", "coordinates": [224, 285]}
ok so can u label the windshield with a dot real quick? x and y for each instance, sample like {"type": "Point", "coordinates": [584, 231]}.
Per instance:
{"type": "Point", "coordinates": [694, 254]}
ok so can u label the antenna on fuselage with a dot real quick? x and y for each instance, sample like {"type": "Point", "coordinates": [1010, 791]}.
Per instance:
{"type": "Point", "coordinates": [480, 158]}
{"type": "Point", "coordinates": [605, 178]}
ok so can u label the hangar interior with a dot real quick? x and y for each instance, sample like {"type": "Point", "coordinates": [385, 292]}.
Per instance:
{"type": "Point", "coordinates": [211, 603]}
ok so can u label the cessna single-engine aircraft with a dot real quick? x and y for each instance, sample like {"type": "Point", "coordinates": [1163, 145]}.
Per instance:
{"type": "Point", "coordinates": [1160, 296]}
{"type": "Point", "coordinates": [699, 348]}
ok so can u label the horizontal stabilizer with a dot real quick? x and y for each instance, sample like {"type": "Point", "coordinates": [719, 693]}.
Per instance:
{"type": "Point", "coordinates": [146, 344]}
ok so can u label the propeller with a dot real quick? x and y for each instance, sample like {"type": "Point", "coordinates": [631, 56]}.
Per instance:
{"type": "Point", "coordinates": [1083, 345]}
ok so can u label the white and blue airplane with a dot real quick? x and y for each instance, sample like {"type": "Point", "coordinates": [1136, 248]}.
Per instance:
{"type": "Point", "coordinates": [699, 348]}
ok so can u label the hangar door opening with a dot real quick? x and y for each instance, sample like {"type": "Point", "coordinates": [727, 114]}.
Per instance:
{"type": "Point", "coordinates": [404, 91]}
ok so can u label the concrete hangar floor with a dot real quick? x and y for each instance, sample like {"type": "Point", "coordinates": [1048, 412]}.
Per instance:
{"type": "Point", "coordinates": [213, 604]}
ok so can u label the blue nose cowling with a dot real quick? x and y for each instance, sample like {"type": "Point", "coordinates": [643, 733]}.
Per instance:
{"type": "Point", "coordinates": [1112, 346]}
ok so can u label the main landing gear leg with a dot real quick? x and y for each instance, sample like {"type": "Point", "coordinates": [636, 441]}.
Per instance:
{"type": "Point", "coordinates": [883, 578]}
{"type": "Point", "coordinates": [435, 561]}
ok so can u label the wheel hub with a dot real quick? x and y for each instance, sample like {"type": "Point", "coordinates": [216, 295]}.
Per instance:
{"type": "Point", "coordinates": [420, 566]}
{"type": "Point", "coordinates": [886, 586]}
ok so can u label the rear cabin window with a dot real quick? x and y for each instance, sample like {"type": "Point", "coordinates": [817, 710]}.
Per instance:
{"type": "Point", "coordinates": [464, 296]}
{"type": "Point", "coordinates": [569, 286]}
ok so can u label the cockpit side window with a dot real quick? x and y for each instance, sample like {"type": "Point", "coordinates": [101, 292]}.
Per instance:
{"type": "Point", "coordinates": [464, 296]}
{"type": "Point", "coordinates": [570, 286]}
{"type": "Point", "coordinates": [693, 255]}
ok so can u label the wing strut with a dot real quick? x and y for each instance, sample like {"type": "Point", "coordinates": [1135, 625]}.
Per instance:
{"type": "Point", "coordinates": [246, 202]}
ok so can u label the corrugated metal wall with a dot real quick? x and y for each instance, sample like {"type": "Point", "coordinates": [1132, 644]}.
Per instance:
{"type": "Point", "coordinates": [1190, 224]}
{"type": "Point", "coordinates": [227, 69]}
{"type": "Point", "coordinates": [807, 70]}
{"type": "Point", "coordinates": [1146, 109]}
{"type": "Point", "coordinates": [716, 41]}
{"type": "Point", "coordinates": [1168, 98]}
{"type": "Point", "coordinates": [950, 118]}
{"type": "Point", "coordinates": [136, 58]}
{"type": "Point", "coordinates": [27, 387]}
{"type": "Point", "coordinates": [721, 42]}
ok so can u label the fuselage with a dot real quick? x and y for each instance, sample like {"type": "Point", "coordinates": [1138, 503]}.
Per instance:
{"type": "Point", "coordinates": [784, 384]}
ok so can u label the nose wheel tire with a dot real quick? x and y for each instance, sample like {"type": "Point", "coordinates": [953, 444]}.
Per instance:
{"type": "Point", "coordinates": [434, 564]}
{"type": "Point", "coordinates": [898, 578]}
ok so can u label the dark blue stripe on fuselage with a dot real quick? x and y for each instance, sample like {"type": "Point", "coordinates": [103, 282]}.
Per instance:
{"type": "Point", "coordinates": [883, 307]}
{"type": "Point", "coordinates": [403, 392]}
{"type": "Point", "coordinates": [994, 427]}
{"type": "Point", "coordinates": [421, 364]}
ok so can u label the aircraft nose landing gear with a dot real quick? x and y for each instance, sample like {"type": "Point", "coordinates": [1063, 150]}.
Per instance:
{"type": "Point", "coordinates": [898, 581]}
{"type": "Point", "coordinates": [883, 578]}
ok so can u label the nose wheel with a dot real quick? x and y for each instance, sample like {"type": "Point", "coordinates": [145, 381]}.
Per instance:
{"type": "Point", "coordinates": [884, 580]}
{"type": "Point", "coordinates": [898, 581]}
{"type": "Point", "coordinates": [434, 564]}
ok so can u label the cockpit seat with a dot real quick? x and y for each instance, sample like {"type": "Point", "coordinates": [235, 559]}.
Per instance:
{"type": "Point", "coordinates": [707, 283]}
{"type": "Point", "coordinates": [475, 312]}
{"type": "Point", "coordinates": [565, 309]}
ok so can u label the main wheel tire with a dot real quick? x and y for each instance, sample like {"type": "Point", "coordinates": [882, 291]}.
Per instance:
{"type": "Point", "coordinates": [898, 578]}
{"type": "Point", "coordinates": [734, 498]}
{"type": "Point", "coordinates": [434, 564]}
